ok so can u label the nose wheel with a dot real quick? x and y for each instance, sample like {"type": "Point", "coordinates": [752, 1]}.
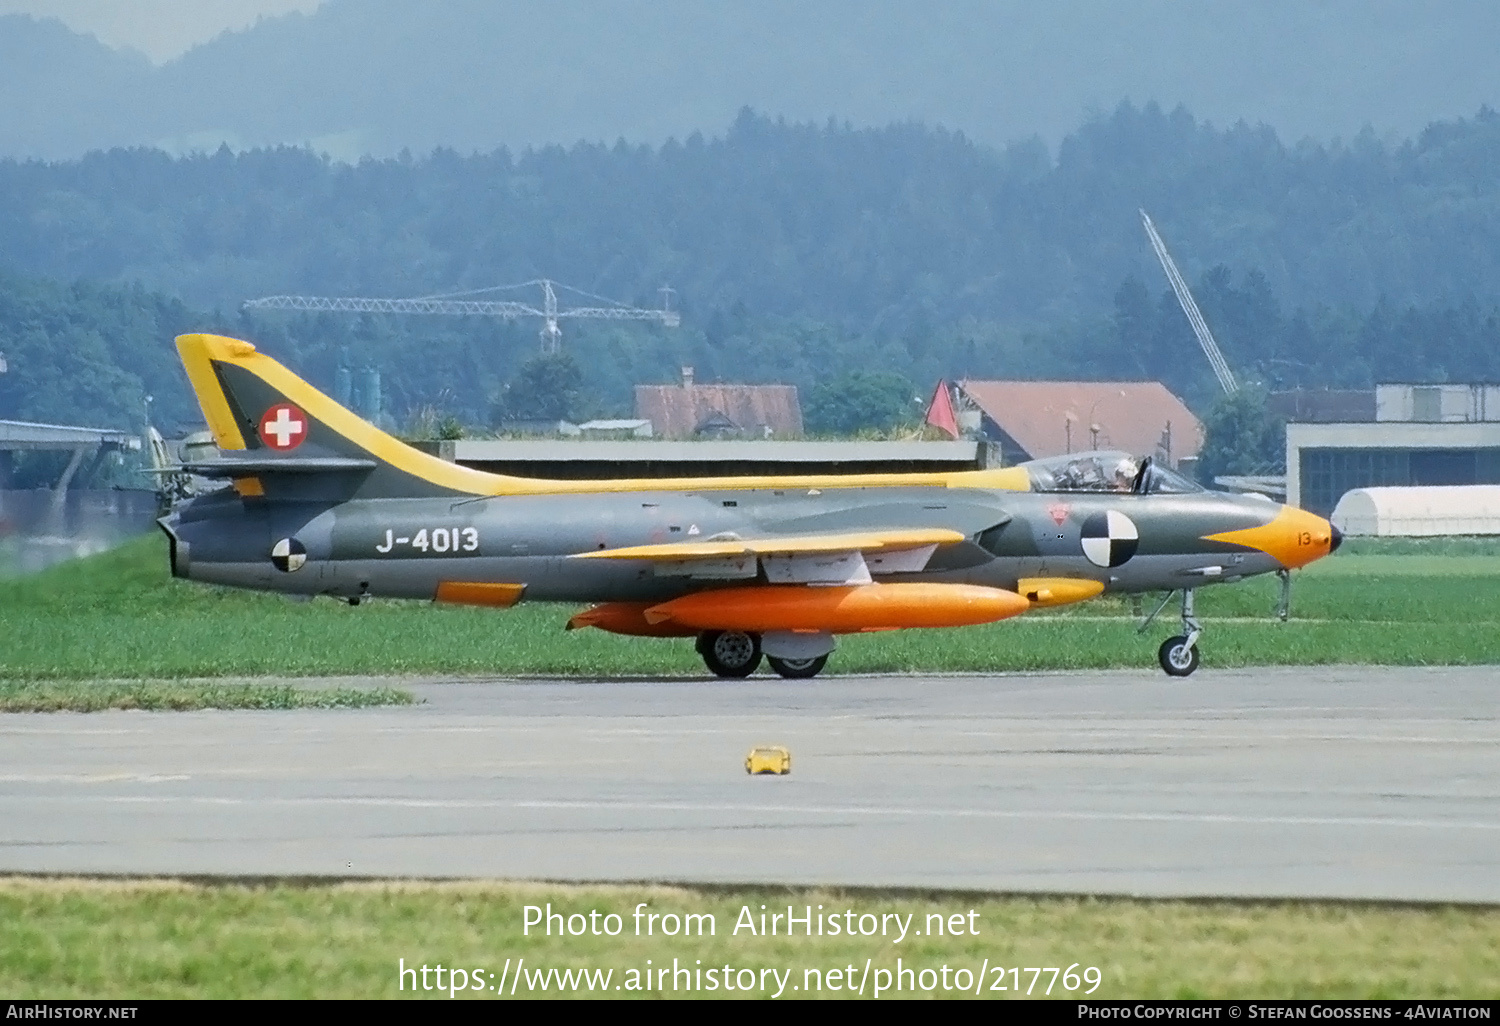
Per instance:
{"type": "Point", "coordinates": [1179, 655]}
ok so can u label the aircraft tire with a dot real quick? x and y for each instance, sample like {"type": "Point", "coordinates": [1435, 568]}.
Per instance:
{"type": "Point", "coordinates": [730, 653]}
{"type": "Point", "coordinates": [1176, 658]}
{"type": "Point", "coordinates": [798, 669]}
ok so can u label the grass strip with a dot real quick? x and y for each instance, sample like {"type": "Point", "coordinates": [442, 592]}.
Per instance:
{"type": "Point", "coordinates": [62, 938]}
{"type": "Point", "coordinates": [64, 696]}
{"type": "Point", "coordinates": [405, 639]}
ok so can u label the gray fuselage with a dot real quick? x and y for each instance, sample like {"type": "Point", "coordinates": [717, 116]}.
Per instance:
{"type": "Point", "coordinates": [406, 547]}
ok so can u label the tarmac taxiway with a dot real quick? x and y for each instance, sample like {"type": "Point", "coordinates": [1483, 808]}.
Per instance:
{"type": "Point", "coordinates": [1348, 782]}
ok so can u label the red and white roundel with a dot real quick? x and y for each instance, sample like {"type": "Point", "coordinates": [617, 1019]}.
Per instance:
{"type": "Point", "coordinates": [283, 427]}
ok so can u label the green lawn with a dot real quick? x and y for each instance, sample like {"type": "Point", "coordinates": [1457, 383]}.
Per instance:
{"type": "Point", "coordinates": [152, 939]}
{"type": "Point", "coordinates": [120, 616]}
{"type": "Point", "coordinates": [92, 696]}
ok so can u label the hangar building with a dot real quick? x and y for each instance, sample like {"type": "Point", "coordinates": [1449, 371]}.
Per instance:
{"type": "Point", "coordinates": [1414, 435]}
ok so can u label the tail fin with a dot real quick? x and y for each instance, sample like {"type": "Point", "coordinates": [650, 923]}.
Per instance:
{"type": "Point", "coordinates": [276, 430]}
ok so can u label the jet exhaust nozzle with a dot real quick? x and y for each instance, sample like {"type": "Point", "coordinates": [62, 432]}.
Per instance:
{"type": "Point", "coordinates": [177, 549]}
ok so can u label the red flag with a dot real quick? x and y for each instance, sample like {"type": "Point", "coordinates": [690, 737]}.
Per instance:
{"type": "Point", "coordinates": [940, 411]}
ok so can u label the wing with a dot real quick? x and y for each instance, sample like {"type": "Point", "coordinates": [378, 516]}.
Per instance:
{"type": "Point", "coordinates": [847, 558]}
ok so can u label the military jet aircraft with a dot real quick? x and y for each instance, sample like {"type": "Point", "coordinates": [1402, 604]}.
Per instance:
{"type": "Point", "coordinates": [324, 503]}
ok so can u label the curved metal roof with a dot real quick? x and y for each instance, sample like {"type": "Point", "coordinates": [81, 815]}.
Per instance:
{"type": "Point", "coordinates": [1419, 510]}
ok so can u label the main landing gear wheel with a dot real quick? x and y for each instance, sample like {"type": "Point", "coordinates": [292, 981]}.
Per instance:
{"type": "Point", "coordinates": [798, 669]}
{"type": "Point", "coordinates": [730, 653]}
{"type": "Point", "coordinates": [1177, 657]}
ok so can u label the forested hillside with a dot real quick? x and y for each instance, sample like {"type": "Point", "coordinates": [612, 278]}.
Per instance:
{"type": "Point", "coordinates": [799, 253]}
{"type": "Point", "coordinates": [872, 229]}
{"type": "Point", "coordinates": [360, 77]}
{"type": "Point", "coordinates": [90, 353]}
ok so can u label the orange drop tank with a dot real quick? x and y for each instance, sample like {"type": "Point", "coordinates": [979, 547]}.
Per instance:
{"type": "Point", "coordinates": [838, 610]}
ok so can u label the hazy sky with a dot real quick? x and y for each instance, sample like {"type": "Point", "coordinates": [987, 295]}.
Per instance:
{"type": "Point", "coordinates": [161, 29]}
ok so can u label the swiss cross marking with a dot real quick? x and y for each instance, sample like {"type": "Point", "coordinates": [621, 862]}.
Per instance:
{"type": "Point", "coordinates": [283, 427]}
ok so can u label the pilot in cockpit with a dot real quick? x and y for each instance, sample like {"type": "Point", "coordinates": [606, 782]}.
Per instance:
{"type": "Point", "coordinates": [1078, 475]}
{"type": "Point", "coordinates": [1107, 472]}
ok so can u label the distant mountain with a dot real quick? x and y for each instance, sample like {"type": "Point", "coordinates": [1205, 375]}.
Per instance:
{"type": "Point", "coordinates": [376, 76]}
{"type": "Point", "coordinates": [62, 93]}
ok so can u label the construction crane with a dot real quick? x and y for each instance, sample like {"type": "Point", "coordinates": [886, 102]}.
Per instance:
{"type": "Point", "coordinates": [1189, 307]}
{"type": "Point", "coordinates": [465, 303]}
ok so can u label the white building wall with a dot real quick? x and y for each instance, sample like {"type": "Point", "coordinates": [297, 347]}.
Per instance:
{"type": "Point", "coordinates": [1390, 435]}
{"type": "Point", "coordinates": [1456, 403]}
{"type": "Point", "coordinates": [1489, 405]}
{"type": "Point", "coordinates": [1393, 402]}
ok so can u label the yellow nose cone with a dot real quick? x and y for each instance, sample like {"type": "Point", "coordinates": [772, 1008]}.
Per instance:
{"type": "Point", "coordinates": [1293, 537]}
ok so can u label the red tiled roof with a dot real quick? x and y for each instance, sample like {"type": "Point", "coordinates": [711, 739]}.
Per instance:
{"type": "Point", "coordinates": [1131, 415]}
{"type": "Point", "coordinates": [676, 411]}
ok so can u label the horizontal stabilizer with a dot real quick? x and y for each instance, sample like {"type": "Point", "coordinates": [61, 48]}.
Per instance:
{"type": "Point", "coordinates": [275, 465]}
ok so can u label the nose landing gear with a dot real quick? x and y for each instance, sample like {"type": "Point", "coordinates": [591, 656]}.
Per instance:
{"type": "Point", "coordinates": [1179, 655]}
{"type": "Point", "coordinates": [1284, 604]}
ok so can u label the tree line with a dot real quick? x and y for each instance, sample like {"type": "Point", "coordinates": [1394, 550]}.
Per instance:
{"type": "Point", "coordinates": [879, 231]}
{"type": "Point", "coordinates": [91, 353]}
{"type": "Point", "coordinates": [860, 265]}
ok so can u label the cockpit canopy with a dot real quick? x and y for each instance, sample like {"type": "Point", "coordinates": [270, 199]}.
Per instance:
{"type": "Point", "coordinates": [1106, 471]}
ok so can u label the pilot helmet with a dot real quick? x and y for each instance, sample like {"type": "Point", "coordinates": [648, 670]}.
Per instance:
{"type": "Point", "coordinates": [1125, 472]}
